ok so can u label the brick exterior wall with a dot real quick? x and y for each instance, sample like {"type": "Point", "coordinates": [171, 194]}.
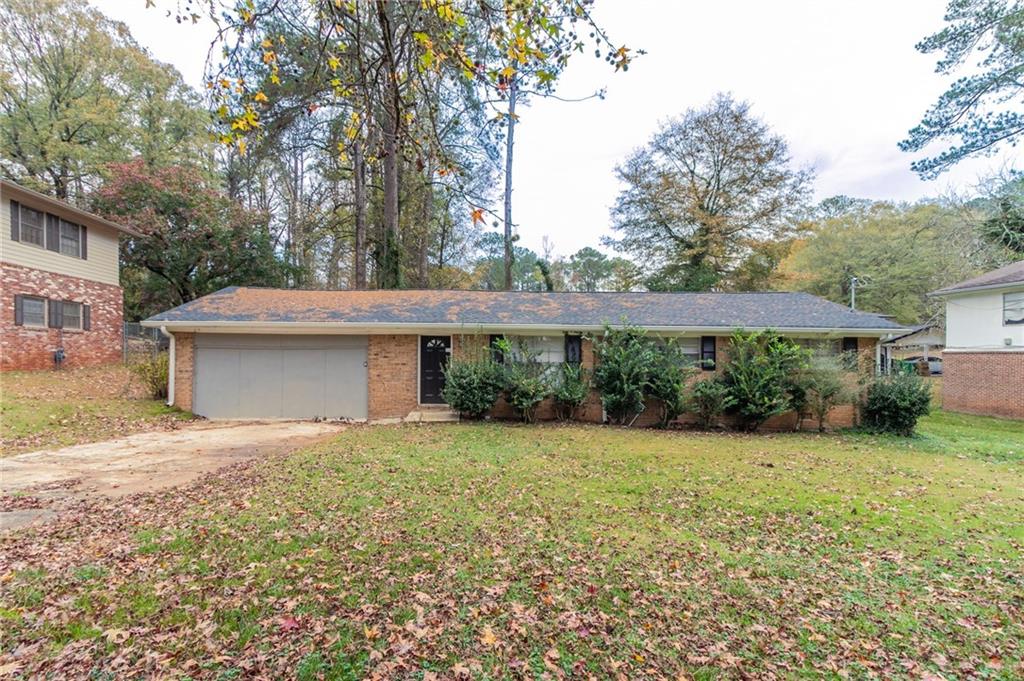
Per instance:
{"type": "Point", "coordinates": [25, 347]}
{"type": "Point", "coordinates": [392, 366]}
{"type": "Point", "coordinates": [987, 383]}
{"type": "Point", "coordinates": [184, 366]}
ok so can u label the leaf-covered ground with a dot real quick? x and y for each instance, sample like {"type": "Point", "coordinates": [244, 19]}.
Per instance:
{"type": "Point", "coordinates": [496, 551]}
{"type": "Point", "coordinates": [47, 409]}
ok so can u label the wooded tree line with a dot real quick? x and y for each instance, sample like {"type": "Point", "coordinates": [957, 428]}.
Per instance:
{"type": "Point", "coordinates": [363, 144]}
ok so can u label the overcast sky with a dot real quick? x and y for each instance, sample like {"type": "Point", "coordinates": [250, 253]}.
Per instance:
{"type": "Point", "coordinates": [841, 81]}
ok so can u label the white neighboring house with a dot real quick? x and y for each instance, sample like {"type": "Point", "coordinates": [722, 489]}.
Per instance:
{"type": "Point", "coordinates": [984, 355]}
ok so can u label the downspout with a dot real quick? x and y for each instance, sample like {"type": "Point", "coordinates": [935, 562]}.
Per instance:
{"type": "Point", "coordinates": [170, 367]}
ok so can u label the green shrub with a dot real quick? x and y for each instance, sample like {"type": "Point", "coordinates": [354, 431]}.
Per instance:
{"type": "Point", "coordinates": [893, 404]}
{"type": "Point", "coordinates": [571, 391]}
{"type": "Point", "coordinates": [759, 373]}
{"type": "Point", "coordinates": [526, 386]}
{"type": "Point", "coordinates": [668, 373]}
{"type": "Point", "coordinates": [472, 386]}
{"type": "Point", "coordinates": [708, 400]}
{"type": "Point", "coordinates": [623, 359]}
{"type": "Point", "coordinates": [823, 384]}
{"type": "Point", "coordinates": [154, 371]}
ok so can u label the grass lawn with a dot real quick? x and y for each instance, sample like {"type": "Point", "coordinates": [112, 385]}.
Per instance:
{"type": "Point", "coordinates": [492, 551]}
{"type": "Point", "coordinates": [46, 409]}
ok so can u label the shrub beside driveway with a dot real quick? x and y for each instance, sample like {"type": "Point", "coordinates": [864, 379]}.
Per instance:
{"type": "Point", "coordinates": [490, 550]}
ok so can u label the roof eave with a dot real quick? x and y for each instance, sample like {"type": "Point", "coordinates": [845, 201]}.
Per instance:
{"type": "Point", "coordinates": [58, 205]}
{"type": "Point", "coordinates": [357, 327]}
{"type": "Point", "coordinates": [946, 292]}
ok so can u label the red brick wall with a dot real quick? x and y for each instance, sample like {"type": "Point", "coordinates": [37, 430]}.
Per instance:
{"type": "Point", "coordinates": [23, 347]}
{"type": "Point", "coordinates": [184, 365]}
{"type": "Point", "coordinates": [987, 383]}
{"type": "Point", "coordinates": [392, 365]}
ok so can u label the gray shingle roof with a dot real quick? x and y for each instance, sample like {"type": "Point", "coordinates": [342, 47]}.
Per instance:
{"type": "Point", "coordinates": [1011, 274]}
{"type": "Point", "coordinates": [568, 310]}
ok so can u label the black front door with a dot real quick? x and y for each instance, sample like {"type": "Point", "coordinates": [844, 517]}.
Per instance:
{"type": "Point", "coordinates": [433, 360]}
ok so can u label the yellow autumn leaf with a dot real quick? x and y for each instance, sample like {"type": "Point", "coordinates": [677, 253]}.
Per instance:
{"type": "Point", "coordinates": [488, 638]}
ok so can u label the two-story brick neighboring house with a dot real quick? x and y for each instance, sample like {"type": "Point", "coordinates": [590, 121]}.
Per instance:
{"type": "Point", "coordinates": [983, 370]}
{"type": "Point", "coordinates": [60, 286]}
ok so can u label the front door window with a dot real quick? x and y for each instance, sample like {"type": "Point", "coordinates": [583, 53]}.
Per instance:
{"type": "Point", "coordinates": [433, 360]}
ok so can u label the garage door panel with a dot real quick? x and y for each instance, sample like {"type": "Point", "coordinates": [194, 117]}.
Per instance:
{"type": "Point", "coordinates": [347, 380]}
{"type": "Point", "coordinates": [259, 382]}
{"type": "Point", "coordinates": [216, 389]}
{"type": "Point", "coordinates": [280, 376]}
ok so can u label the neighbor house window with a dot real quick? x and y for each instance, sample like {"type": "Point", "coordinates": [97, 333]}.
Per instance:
{"type": "Point", "coordinates": [573, 349]}
{"type": "Point", "coordinates": [72, 315]}
{"type": "Point", "coordinates": [33, 230]}
{"type": "Point", "coordinates": [690, 349]}
{"type": "Point", "coordinates": [33, 311]}
{"type": "Point", "coordinates": [70, 239]}
{"type": "Point", "coordinates": [47, 231]}
{"type": "Point", "coordinates": [1013, 308]}
{"type": "Point", "coordinates": [707, 353]}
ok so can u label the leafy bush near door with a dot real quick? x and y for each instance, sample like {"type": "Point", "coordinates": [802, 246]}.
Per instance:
{"type": "Point", "coordinates": [823, 386]}
{"type": "Point", "coordinates": [472, 386]}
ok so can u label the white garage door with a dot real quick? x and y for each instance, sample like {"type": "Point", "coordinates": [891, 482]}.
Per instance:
{"type": "Point", "coordinates": [240, 376]}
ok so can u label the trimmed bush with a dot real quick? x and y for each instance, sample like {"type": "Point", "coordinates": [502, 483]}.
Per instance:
{"type": "Point", "coordinates": [471, 387]}
{"type": "Point", "coordinates": [154, 371]}
{"type": "Point", "coordinates": [759, 373]}
{"type": "Point", "coordinates": [893, 404]}
{"type": "Point", "coordinates": [708, 400]}
{"type": "Point", "coordinates": [572, 390]}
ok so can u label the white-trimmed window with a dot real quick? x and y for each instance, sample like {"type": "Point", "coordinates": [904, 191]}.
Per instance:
{"type": "Point", "coordinates": [690, 348]}
{"type": "Point", "coordinates": [543, 349]}
{"type": "Point", "coordinates": [33, 311]}
{"type": "Point", "coordinates": [70, 239]}
{"type": "Point", "coordinates": [71, 315]}
{"type": "Point", "coordinates": [32, 226]}
{"type": "Point", "coordinates": [1013, 308]}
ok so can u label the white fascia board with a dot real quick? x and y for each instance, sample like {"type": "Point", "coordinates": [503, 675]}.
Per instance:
{"type": "Point", "coordinates": [1009, 288]}
{"type": "Point", "coordinates": [447, 327]}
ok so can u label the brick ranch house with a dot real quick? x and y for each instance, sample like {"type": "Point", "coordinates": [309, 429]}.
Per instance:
{"type": "Point", "coordinates": [983, 370]}
{"type": "Point", "coordinates": [59, 283]}
{"type": "Point", "coordinates": [379, 355]}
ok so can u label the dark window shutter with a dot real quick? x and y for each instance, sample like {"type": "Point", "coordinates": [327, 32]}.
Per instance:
{"type": "Point", "coordinates": [573, 349]}
{"type": "Point", "coordinates": [19, 311]}
{"type": "Point", "coordinates": [15, 221]}
{"type": "Point", "coordinates": [707, 353]}
{"type": "Point", "coordinates": [496, 354]}
{"type": "Point", "coordinates": [56, 316]}
{"type": "Point", "coordinates": [850, 344]}
{"type": "Point", "coordinates": [86, 320]}
{"type": "Point", "coordinates": [81, 236]}
{"type": "Point", "coordinates": [52, 233]}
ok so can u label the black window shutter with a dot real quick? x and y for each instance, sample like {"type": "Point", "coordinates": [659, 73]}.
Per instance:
{"type": "Point", "coordinates": [707, 353]}
{"type": "Point", "coordinates": [86, 320]}
{"type": "Point", "coordinates": [52, 233]}
{"type": "Point", "coordinates": [573, 349]}
{"type": "Point", "coordinates": [85, 253]}
{"type": "Point", "coordinates": [15, 221]}
{"type": "Point", "coordinates": [850, 344]}
{"type": "Point", "coordinates": [56, 316]}
{"type": "Point", "coordinates": [496, 354]}
{"type": "Point", "coordinates": [19, 311]}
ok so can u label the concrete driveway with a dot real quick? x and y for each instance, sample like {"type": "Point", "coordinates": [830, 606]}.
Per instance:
{"type": "Point", "coordinates": [33, 486]}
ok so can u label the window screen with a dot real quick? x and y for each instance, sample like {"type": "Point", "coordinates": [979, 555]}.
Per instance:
{"type": "Point", "coordinates": [32, 227]}
{"type": "Point", "coordinates": [72, 315]}
{"type": "Point", "coordinates": [70, 239]}
{"type": "Point", "coordinates": [1013, 308]}
{"type": "Point", "coordinates": [33, 311]}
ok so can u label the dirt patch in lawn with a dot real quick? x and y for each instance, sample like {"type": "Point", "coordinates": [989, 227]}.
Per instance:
{"type": "Point", "coordinates": [37, 485]}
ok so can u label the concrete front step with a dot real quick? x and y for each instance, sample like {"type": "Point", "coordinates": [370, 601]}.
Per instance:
{"type": "Point", "coordinates": [433, 415]}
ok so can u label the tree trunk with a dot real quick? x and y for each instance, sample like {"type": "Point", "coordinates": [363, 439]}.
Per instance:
{"type": "Point", "coordinates": [392, 275]}
{"type": "Point", "coordinates": [509, 146]}
{"type": "Point", "coordinates": [422, 265]}
{"type": "Point", "coordinates": [359, 191]}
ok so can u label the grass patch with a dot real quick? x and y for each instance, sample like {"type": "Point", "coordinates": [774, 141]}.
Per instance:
{"type": "Point", "coordinates": [494, 550]}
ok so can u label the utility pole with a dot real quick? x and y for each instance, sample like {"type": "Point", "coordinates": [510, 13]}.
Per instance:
{"type": "Point", "coordinates": [853, 292]}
